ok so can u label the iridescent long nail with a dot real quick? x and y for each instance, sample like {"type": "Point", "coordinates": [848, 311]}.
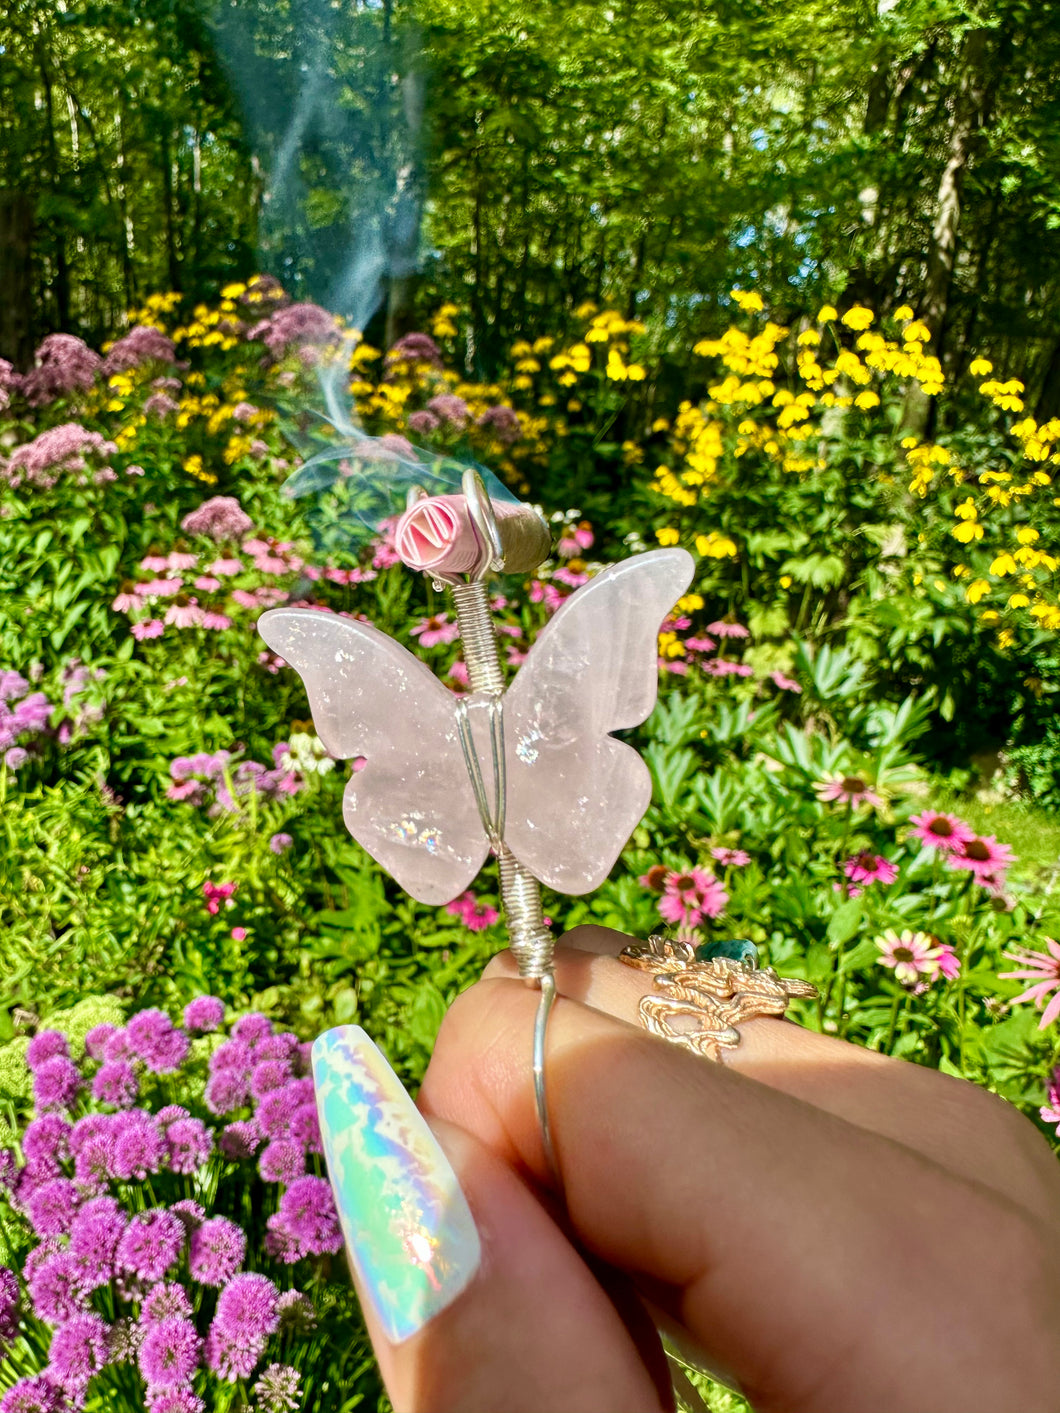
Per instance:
{"type": "Point", "coordinates": [408, 1228]}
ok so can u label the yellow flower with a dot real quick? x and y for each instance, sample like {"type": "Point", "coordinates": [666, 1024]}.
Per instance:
{"type": "Point", "coordinates": [917, 332]}
{"type": "Point", "coordinates": [748, 300]}
{"type": "Point", "coordinates": [809, 338]}
{"type": "Point", "coordinates": [690, 603]}
{"type": "Point", "coordinates": [785, 581]}
{"type": "Point", "coordinates": [967, 532]}
{"type": "Point", "coordinates": [1027, 535]}
{"type": "Point", "coordinates": [827, 313]}
{"type": "Point", "coordinates": [1018, 601]}
{"type": "Point", "coordinates": [866, 400]}
{"type": "Point", "coordinates": [715, 546]}
{"type": "Point", "coordinates": [976, 590]}
{"type": "Point", "coordinates": [670, 645]}
{"type": "Point", "coordinates": [635, 373]}
{"type": "Point", "coordinates": [989, 616]}
{"type": "Point", "coordinates": [668, 535]}
{"type": "Point", "coordinates": [966, 510]}
{"type": "Point", "coordinates": [233, 291]}
{"type": "Point", "coordinates": [902, 314]}
{"type": "Point", "coordinates": [980, 367]}
{"type": "Point", "coordinates": [858, 317]}
{"type": "Point", "coordinates": [1002, 565]}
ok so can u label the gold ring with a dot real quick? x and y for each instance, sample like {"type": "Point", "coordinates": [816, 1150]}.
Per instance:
{"type": "Point", "coordinates": [707, 991]}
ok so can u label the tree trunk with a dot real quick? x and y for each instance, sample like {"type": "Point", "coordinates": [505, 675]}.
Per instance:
{"type": "Point", "coordinates": [16, 307]}
{"type": "Point", "coordinates": [979, 72]}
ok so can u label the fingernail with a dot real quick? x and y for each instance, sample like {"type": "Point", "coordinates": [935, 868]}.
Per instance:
{"type": "Point", "coordinates": [409, 1231]}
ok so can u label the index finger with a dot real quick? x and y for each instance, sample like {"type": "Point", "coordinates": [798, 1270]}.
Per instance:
{"type": "Point", "coordinates": [777, 1233]}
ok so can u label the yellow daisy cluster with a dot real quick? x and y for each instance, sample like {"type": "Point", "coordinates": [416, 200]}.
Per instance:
{"type": "Point", "coordinates": [697, 440]}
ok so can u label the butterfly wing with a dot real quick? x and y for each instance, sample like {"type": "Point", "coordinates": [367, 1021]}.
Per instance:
{"type": "Point", "coordinates": [411, 806]}
{"type": "Point", "coordinates": [575, 794]}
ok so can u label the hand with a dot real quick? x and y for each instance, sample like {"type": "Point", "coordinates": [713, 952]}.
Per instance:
{"type": "Point", "coordinates": [835, 1230]}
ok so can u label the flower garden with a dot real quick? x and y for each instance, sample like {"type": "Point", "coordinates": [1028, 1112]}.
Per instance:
{"type": "Point", "coordinates": [855, 755]}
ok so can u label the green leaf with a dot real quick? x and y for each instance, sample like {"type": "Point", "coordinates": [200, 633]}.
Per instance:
{"type": "Point", "coordinates": [844, 922]}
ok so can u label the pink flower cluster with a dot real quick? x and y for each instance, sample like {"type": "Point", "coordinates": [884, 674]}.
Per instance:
{"type": "Point", "coordinates": [63, 365]}
{"type": "Point", "coordinates": [981, 855]}
{"type": "Point", "coordinates": [295, 326]}
{"type": "Point", "coordinates": [60, 451]}
{"type": "Point", "coordinates": [219, 781]}
{"type": "Point", "coordinates": [151, 1250]}
{"type": "Point", "coordinates": [474, 915]}
{"type": "Point", "coordinates": [142, 344]}
{"type": "Point", "coordinates": [22, 714]}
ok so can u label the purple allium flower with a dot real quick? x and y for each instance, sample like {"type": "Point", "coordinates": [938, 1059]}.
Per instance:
{"type": "Point", "coordinates": [170, 1352]}
{"type": "Point", "coordinates": [240, 1140]}
{"type": "Point", "coordinates": [307, 1211]}
{"type": "Point", "coordinates": [96, 1159]}
{"type": "Point", "coordinates": [170, 1114]}
{"type": "Point", "coordinates": [126, 1336]}
{"type": "Point", "coordinates": [8, 1170]}
{"type": "Point", "coordinates": [37, 1255]}
{"type": "Point", "coordinates": [153, 1037]}
{"type": "Point", "coordinates": [169, 1054]}
{"type": "Point", "coordinates": [91, 1126]}
{"type": "Point", "coordinates": [116, 1046]}
{"type": "Point", "coordinates": [275, 1112]}
{"type": "Point", "coordinates": [226, 1090]}
{"type": "Point", "coordinates": [280, 842]}
{"type": "Point", "coordinates": [47, 1140]}
{"type": "Point", "coordinates": [205, 1013]}
{"type": "Point", "coordinates": [220, 517]}
{"type": "Point", "coordinates": [12, 685]}
{"type": "Point", "coordinates": [270, 1074]}
{"type": "Point", "coordinates": [52, 1206]}
{"type": "Point", "coordinates": [248, 1307]}
{"type": "Point", "coordinates": [9, 1305]}
{"type": "Point", "coordinates": [56, 1288]}
{"type": "Point", "coordinates": [276, 1047]}
{"type": "Point", "coordinates": [96, 1039]}
{"type": "Point", "coordinates": [190, 1145]}
{"type": "Point", "coordinates": [79, 1350]}
{"type": "Point", "coordinates": [231, 1360]}
{"type": "Point", "coordinates": [278, 1390]}
{"type": "Point", "coordinates": [95, 1234]}
{"type": "Point", "coordinates": [151, 1243]}
{"type": "Point", "coordinates": [305, 1128]}
{"type": "Point", "coordinates": [116, 1083]}
{"type": "Point", "coordinates": [232, 1055]}
{"type": "Point", "coordinates": [282, 1161]}
{"type": "Point", "coordinates": [34, 1395]}
{"type": "Point", "coordinates": [45, 1045]}
{"type": "Point", "coordinates": [252, 1027]}
{"type": "Point", "coordinates": [173, 1400]}
{"type": "Point", "coordinates": [189, 1212]}
{"type": "Point", "coordinates": [217, 1250]}
{"type": "Point", "coordinates": [55, 1084]}
{"type": "Point", "coordinates": [139, 1147]}
{"type": "Point", "coordinates": [297, 1311]}
{"type": "Point", "coordinates": [168, 1301]}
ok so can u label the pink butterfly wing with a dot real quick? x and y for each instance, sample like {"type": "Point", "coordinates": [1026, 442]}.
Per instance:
{"type": "Point", "coordinates": [412, 806]}
{"type": "Point", "coordinates": [575, 794]}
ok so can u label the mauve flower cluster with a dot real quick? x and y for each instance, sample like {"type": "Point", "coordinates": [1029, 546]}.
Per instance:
{"type": "Point", "coordinates": [293, 326]}
{"type": "Point", "coordinates": [415, 348]}
{"type": "Point", "coordinates": [142, 344]}
{"type": "Point", "coordinates": [22, 714]}
{"type": "Point", "coordinates": [64, 365]}
{"type": "Point", "coordinates": [220, 517]}
{"type": "Point", "coordinates": [219, 781]}
{"type": "Point", "coordinates": [118, 1268]}
{"type": "Point", "coordinates": [59, 450]}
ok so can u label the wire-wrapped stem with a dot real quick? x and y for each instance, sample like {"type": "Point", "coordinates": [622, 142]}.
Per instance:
{"type": "Point", "coordinates": [531, 941]}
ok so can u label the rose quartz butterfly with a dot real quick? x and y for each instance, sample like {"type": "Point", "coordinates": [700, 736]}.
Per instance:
{"type": "Point", "coordinates": [572, 793]}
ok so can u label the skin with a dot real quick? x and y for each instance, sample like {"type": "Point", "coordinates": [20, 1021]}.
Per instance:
{"type": "Point", "coordinates": [833, 1230]}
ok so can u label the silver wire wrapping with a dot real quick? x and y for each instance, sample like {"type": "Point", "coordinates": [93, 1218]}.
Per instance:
{"type": "Point", "coordinates": [532, 943]}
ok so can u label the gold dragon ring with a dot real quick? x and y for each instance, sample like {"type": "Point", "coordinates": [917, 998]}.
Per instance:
{"type": "Point", "coordinates": [703, 993]}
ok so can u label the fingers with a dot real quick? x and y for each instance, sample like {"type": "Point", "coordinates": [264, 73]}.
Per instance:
{"type": "Point", "coordinates": [800, 1250]}
{"type": "Point", "coordinates": [956, 1124]}
{"type": "Point", "coordinates": [533, 1330]}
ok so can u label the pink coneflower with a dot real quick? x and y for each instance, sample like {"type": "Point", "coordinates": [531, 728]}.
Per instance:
{"type": "Point", "coordinates": [786, 684]}
{"type": "Point", "coordinates": [1043, 968]}
{"type": "Point", "coordinates": [458, 673]}
{"type": "Point", "coordinates": [949, 962]}
{"type": "Point", "coordinates": [723, 667]}
{"type": "Point", "coordinates": [941, 831]}
{"type": "Point", "coordinates": [153, 628]}
{"type": "Point", "coordinates": [1050, 1111]}
{"type": "Point", "coordinates": [655, 878]}
{"type": "Point", "coordinates": [207, 583]}
{"type": "Point", "coordinates": [728, 630]}
{"type": "Point", "coordinates": [688, 898]}
{"type": "Point", "coordinates": [870, 868]}
{"type": "Point", "coordinates": [178, 561]}
{"type": "Point", "coordinates": [154, 564]}
{"type": "Point", "coordinates": [912, 955]}
{"type": "Point", "coordinates": [217, 621]}
{"type": "Point", "coordinates": [125, 603]}
{"type": "Point", "coordinates": [731, 858]}
{"type": "Point", "coordinates": [848, 789]}
{"type": "Point", "coordinates": [701, 644]}
{"type": "Point", "coordinates": [160, 588]}
{"type": "Point", "coordinates": [983, 856]}
{"type": "Point", "coordinates": [225, 566]}
{"type": "Point", "coordinates": [184, 615]}
{"type": "Point", "coordinates": [435, 630]}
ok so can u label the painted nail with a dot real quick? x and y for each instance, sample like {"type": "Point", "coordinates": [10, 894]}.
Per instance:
{"type": "Point", "coordinates": [409, 1231]}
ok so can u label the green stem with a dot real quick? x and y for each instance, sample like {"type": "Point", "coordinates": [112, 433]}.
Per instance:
{"type": "Point", "coordinates": [892, 1027]}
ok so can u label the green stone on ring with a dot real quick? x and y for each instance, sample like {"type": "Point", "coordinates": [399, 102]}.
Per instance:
{"type": "Point", "coordinates": [735, 949]}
